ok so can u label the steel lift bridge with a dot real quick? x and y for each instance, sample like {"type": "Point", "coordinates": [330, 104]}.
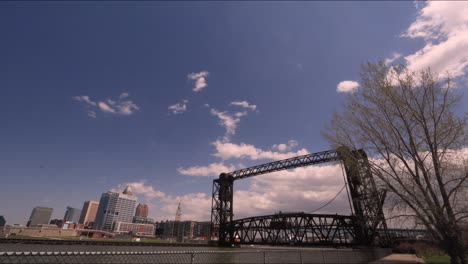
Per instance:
{"type": "Point", "coordinates": [365, 226]}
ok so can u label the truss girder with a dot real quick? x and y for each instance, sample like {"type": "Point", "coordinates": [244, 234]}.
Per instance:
{"type": "Point", "coordinates": [300, 161]}
{"type": "Point", "coordinates": [295, 229]}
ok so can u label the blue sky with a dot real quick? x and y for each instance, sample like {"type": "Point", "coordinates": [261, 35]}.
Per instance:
{"type": "Point", "coordinates": [164, 96]}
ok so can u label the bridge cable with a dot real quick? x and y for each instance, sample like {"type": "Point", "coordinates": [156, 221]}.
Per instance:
{"type": "Point", "coordinates": [343, 172]}
{"type": "Point", "coordinates": [328, 201]}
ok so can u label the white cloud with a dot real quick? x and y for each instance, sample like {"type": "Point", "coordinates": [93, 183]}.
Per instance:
{"type": "Point", "coordinates": [228, 121]}
{"type": "Point", "coordinates": [444, 28]}
{"type": "Point", "coordinates": [347, 86]}
{"type": "Point", "coordinates": [299, 190]}
{"type": "Point", "coordinates": [195, 206]}
{"type": "Point", "coordinates": [395, 56]}
{"type": "Point", "coordinates": [227, 150]}
{"type": "Point", "coordinates": [285, 147]}
{"type": "Point", "coordinates": [119, 107]}
{"type": "Point", "coordinates": [141, 188]}
{"type": "Point", "coordinates": [200, 80]}
{"type": "Point", "coordinates": [244, 104]}
{"type": "Point", "coordinates": [214, 169]}
{"type": "Point", "coordinates": [179, 108]}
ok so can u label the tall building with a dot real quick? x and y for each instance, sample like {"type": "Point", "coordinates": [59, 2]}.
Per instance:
{"type": "Point", "coordinates": [142, 210]}
{"type": "Point", "coordinates": [114, 208]}
{"type": "Point", "coordinates": [178, 215]}
{"type": "Point", "coordinates": [72, 215]}
{"type": "Point", "coordinates": [88, 213]}
{"type": "Point", "coordinates": [39, 216]}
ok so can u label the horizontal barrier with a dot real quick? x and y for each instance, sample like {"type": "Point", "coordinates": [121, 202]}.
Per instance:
{"type": "Point", "coordinates": [321, 256]}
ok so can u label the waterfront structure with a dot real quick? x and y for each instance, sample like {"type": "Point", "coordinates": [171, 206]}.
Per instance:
{"type": "Point", "coordinates": [113, 208]}
{"type": "Point", "coordinates": [142, 210]}
{"type": "Point", "coordinates": [2, 221]}
{"type": "Point", "coordinates": [72, 215]}
{"type": "Point", "coordinates": [135, 229]}
{"type": "Point", "coordinates": [39, 215]}
{"type": "Point", "coordinates": [88, 213]}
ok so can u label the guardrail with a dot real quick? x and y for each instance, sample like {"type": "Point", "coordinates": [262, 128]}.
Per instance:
{"type": "Point", "coordinates": [191, 257]}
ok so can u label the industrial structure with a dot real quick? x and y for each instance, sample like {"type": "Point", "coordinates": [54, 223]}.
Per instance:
{"type": "Point", "coordinates": [365, 226]}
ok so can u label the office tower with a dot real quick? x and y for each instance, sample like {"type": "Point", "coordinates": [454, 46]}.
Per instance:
{"type": "Point", "coordinates": [88, 213]}
{"type": "Point", "coordinates": [115, 207]}
{"type": "Point", "coordinates": [72, 215]}
{"type": "Point", "coordinates": [2, 221]}
{"type": "Point", "coordinates": [39, 216]}
{"type": "Point", "coordinates": [142, 210]}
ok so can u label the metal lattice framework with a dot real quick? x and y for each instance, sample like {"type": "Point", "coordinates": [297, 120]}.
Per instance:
{"type": "Point", "coordinates": [296, 229]}
{"type": "Point", "coordinates": [366, 199]}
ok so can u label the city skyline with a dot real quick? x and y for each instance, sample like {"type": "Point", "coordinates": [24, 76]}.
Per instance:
{"type": "Point", "coordinates": [165, 96]}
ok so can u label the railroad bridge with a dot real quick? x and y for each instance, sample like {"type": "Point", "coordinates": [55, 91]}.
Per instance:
{"type": "Point", "coordinates": [365, 226]}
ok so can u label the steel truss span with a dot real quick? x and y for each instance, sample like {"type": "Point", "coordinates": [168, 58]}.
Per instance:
{"type": "Point", "coordinates": [367, 200]}
{"type": "Point", "coordinates": [299, 229]}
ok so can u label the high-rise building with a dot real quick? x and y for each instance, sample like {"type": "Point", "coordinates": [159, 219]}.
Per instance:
{"type": "Point", "coordinates": [178, 215]}
{"type": "Point", "coordinates": [88, 213]}
{"type": "Point", "coordinates": [39, 216]}
{"type": "Point", "coordinates": [72, 215]}
{"type": "Point", "coordinates": [114, 208]}
{"type": "Point", "coordinates": [142, 210]}
{"type": "Point", "coordinates": [2, 221]}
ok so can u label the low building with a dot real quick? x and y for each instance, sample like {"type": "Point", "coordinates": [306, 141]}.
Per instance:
{"type": "Point", "coordinates": [202, 230]}
{"type": "Point", "coordinates": [57, 222]}
{"type": "Point", "coordinates": [143, 220]}
{"type": "Point", "coordinates": [135, 228]}
{"type": "Point", "coordinates": [44, 230]}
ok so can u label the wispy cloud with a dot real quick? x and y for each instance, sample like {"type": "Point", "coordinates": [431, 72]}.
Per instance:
{"type": "Point", "coordinates": [85, 99]}
{"type": "Point", "coordinates": [178, 108]}
{"type": "Point", "coordinates": [121, 106]}
{"type": "Point", "coordinates": [347, 86]}
{"type": "Point", "coordinates": [200, 80]}
{"type": "Point", "coordinates": [228, 121]}
{"type": "Point", "coordinates": [213, 169]}
{"type": "Point", "coordinates": [395, 56]}
{"type": "Point", "coordinates": [244, 104]}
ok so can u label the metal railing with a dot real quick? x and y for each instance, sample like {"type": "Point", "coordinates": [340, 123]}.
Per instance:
{"type": "Point", "coordinates": [192, 257]}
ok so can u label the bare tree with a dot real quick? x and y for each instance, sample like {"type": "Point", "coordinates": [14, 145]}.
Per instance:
{"type": "Point", "coordinates": [406, 122]}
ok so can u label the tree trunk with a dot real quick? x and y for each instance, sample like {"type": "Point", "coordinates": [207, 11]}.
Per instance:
{"type": "Point", "coordinates": [456, 250]}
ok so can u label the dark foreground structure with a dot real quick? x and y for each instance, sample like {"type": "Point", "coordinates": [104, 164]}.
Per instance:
{"type": "Point", "coordinates": [366, 226]}
{"type": "Point", "coordinates": [191, 257]}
